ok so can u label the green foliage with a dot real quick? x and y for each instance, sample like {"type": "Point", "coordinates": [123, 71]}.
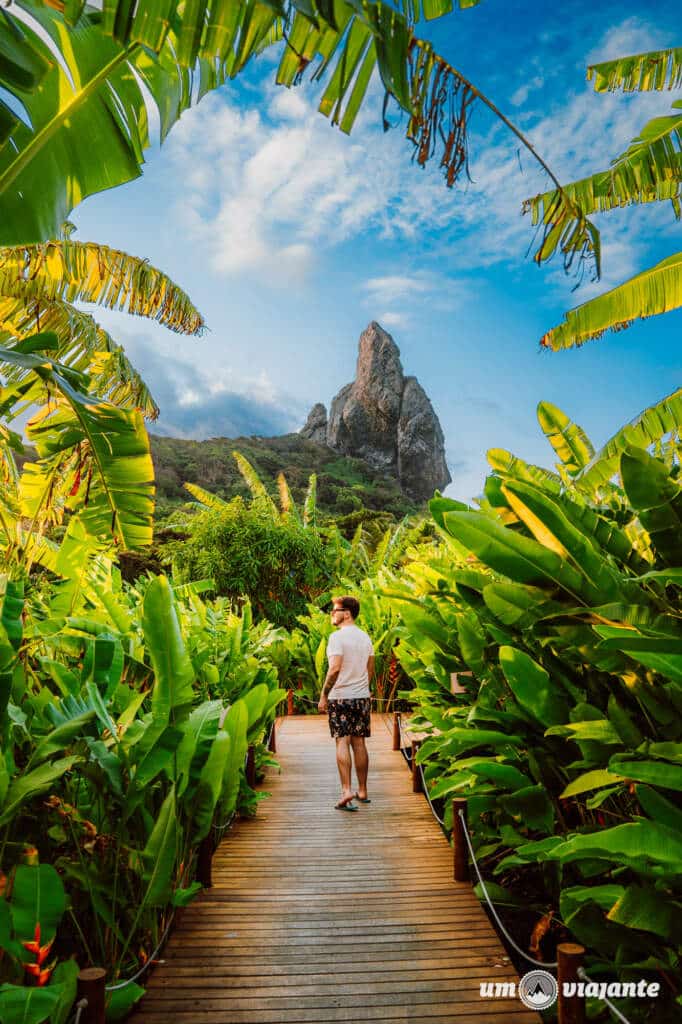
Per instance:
{"type": "Point", "coordinates": [566, 739]}
{"type": "Point", "coordinates": [650, 170]}
{"type": "Point", "coordinates": [152, 695]}
{"type": "Point", "coordinates": [210, 465]}
{"type": "Point", "coordinates": [277, 565]}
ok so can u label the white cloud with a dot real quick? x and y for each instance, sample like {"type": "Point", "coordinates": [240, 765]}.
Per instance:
{"type": "Point", "coordinates": [198, 400]}
{"type": "Point", "coordinates": [632, 36]}
{"type": "Point", "coordinates": [519, 97]}
{"type": "Point", "coordinates": [268, 189]}
{"type": "Point", "coordinates": [395, 286]}
{"type": "Point", "coordinates": [394, 320]}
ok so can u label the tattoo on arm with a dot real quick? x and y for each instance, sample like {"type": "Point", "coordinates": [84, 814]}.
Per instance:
{"type": "Point", "coordinates": [332, 674]}
{"type": "Point", "coordinates": [330, 679]}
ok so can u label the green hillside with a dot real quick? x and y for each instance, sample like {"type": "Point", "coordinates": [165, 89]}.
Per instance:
{"type": "Point", "coordinates": [344, 485]}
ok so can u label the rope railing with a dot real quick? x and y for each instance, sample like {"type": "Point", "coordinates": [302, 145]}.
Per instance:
{"type": "Point", "coordinates": [81, 1006]}
{"type": "Point", "coordinates": [584, 976]}
{"type": "Point", "coordinates": [430, 801]}
{"type": "Point", "coordinates": [493, 911]}
{"type": "Point", "coordinates": [145, 966]}
{"type": "Point", "coordinates": [567, 952]}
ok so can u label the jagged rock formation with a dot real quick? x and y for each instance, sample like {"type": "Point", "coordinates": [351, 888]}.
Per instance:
{"type": "Point", "coordinates": [386, 419]}
{"type": "Point", "coordinates": [315, 428]}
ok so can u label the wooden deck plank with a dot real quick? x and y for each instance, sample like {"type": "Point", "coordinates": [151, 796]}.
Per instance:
{"type": "Point", "coordinates": [318, 916]}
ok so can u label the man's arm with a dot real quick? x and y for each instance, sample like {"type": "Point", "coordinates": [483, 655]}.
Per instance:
{"type": "Point", "coordinates": [370, 668]}
{"type": "Point", "coordinates": [331, 677]}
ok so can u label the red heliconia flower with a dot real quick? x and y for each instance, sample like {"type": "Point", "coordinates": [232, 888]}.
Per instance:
{"type": "Point", "coordinates": [34, 947]}
{"type": "Point", "coordinates": [41, 953]}
{"type": "Point", "coordinates": [42, 977]}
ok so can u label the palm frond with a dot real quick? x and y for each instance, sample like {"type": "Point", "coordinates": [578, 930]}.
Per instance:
{"type": "Point", "coordinates": [654, 291]}
{"type": "Point", "coordinates": [255, 484]}
{"type": "Point", "coordinates": [87, 272]}
{"type": "Point", "coordinates": [82, 345]}
{"type": "Point", "coordinates": [507, 464]}
{"type": "Point", "coordinates": [649, 428]}
{"type": "Point", "coordinates": [205, 497]}
{"type": "Point", "coordinates": [96, 455]}
{"type": "Point", "coordinates": [569, 441]}
{"type": "Point", "coordinates": [649, 171]}
{"type": "Point", "coordinates": [368, 37]}
{"type": "Point", "coordinates": [86, 124]}
{"type": "Point", "coordinates": [643, 72]}
{"type": "Point", "coordinates": [91, 103]}
{"type": "Point", "coordinates": [310, 503]}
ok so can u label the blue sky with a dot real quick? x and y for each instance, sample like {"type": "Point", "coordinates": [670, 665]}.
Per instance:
{"type": "Point", "coordinates": [290, 237]}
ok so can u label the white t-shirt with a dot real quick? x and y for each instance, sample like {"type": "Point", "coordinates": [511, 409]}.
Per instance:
{"type": "Point", "coordinates": [355, 647]}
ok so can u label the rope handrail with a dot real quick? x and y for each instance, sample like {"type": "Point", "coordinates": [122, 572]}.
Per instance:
{"type": "Point", "coordinates": [138, 974]}
{"type": "Point", "coordinates": [426, 794]}
{"type": "Point", "coordinates": [145, 966]}
{"type": "Point", "coordinates": [81, 1005]}
{"type": "Point", "coordinates": [584, 976]}
{"type": "Point", "coordinates": [493, 911]}
{"type": "Point", "coordinates": [224, 827]}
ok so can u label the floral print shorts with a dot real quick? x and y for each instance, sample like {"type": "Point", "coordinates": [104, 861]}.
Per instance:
{"type": "Point", "coordinates": [349, 717]}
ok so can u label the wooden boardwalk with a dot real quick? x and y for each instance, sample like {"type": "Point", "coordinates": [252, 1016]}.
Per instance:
{"type": "Point", "coordinates": [316, 915]}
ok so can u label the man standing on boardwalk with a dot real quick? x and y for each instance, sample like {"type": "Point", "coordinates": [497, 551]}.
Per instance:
{"type": "Point", "coordinates": [345, 695]}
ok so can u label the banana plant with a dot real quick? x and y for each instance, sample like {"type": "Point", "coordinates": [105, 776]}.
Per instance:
{"type": "Point", "coordinates": [648, 171]}
{"type": "Point", "coordinates": [559, 599]}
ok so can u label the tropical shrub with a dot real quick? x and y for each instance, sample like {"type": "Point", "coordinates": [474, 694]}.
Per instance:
{"type": "Point", "coordinates": [560, 600]}
{"type": "Point", "coordinates": [125, 723]}
{"type": "Point", "coordinates": [278, 566]}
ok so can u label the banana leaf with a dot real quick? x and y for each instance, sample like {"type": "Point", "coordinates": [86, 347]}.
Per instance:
{"type": "Point", "coordinates": [28, 785]}
{"type": "Point", "coordinates": [173, 694]}
{"type": "Point", "coordinates": [209, 789]}
{"type": "Point", "coordinates": [646, 846]}
{"type": "Point", "coordinates": [656, 773]}
{"type": "Point", "coordinates": [520, 558]}
{"type": "Point", "coordinates": [537, 694]}
{"type": "Point", "coordinates": [38, 899]}
{"type": "Point", "coordinates": [648, 909]}
{"type": "Point", "coordinates": [160, 853]}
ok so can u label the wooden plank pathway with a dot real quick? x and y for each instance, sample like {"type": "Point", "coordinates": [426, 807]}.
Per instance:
{"type": "Point", "coordinates": [316, 915]}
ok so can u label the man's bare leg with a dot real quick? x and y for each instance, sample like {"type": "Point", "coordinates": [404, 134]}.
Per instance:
{"type": "Point", "coordinates": [361, 758]}
{"type": "Point", "coordinates": [343, 763]}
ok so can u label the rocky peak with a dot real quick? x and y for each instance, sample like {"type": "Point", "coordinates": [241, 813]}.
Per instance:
{"type": "Point", "coordinates": [386, 419]}
{"type": "Point", "coordinates": [315, 428]}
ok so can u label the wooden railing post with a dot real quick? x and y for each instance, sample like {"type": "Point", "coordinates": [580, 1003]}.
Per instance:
{"type": "Point", "coordinates": [396, 730]}
{"type": "Point", "coordinates": [571, 1008]}
{"type": "Point", "coordinates": [272, 741]}
{"type": "Point", "coordinates": [204, 859]}
{"type": "Point", "coordinates": [459, 843]}
{"type": "Point", "coordinates": [251, 767]}
{"type": "Point", "coordinates": [416, 774]}
{"type": "Point", "coordinates": [90, 988]}
{"type": "Point", "coordinates": [290, 702]}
